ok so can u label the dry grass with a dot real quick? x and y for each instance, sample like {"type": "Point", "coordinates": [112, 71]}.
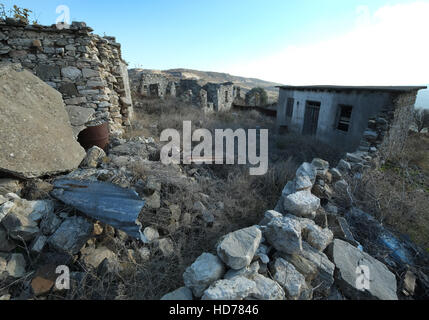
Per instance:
{"type": "Point", "coordinates": [245, 198]}
{"type": "Point", "coordinates": [397, 194]}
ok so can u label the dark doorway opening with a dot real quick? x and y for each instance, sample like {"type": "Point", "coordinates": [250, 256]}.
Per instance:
{"type": "Point", "coordinates": [311, 118]}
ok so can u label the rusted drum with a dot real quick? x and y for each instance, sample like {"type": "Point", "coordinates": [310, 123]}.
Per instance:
{"type": "Point", "coordinates": [95, 136]}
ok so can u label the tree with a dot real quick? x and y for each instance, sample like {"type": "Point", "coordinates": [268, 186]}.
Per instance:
{"type": "Point", "coordinates": [421, 119]}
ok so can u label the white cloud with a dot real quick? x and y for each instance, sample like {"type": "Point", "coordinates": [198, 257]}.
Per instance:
{"type": "Point", "coordinates": [386, 47]}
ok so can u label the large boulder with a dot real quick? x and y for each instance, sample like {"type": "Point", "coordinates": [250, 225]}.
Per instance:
{"type": "Point", "coordinates": [353, 265]}
{"type": "Point", "coordinates": [284, 234]}
{"type": "Point", "coordinates": [238, 248]}
{"type": "Point", "coordinates": [36, 137]}
{"type": "Point", "coordinates": [302, 204]}
{"type": "Point", "coordinates": [202, 273]}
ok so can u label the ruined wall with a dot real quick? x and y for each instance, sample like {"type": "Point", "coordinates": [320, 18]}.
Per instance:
{"type": "Point", "coordinates": [87, 69]}
{"type": "Point", "coordinates": [221, 95]}
{"type": "Point", "coordinates": [150, 84]}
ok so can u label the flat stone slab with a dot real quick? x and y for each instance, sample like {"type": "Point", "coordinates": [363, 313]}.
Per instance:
{"type": "Point", "coordinates": [361, 276]}
{"type": "Point", "coordinates": [36, 137]}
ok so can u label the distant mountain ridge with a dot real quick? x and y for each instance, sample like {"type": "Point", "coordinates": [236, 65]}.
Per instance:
{"type": "Point", "coordinates": [218, 77]}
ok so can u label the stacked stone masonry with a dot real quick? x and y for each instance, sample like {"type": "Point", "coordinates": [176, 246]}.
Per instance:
{"type": "Point", "coordinates": [86, 69]}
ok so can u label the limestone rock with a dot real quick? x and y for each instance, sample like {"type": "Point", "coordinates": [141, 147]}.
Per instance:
{"type": "Point", "coordinates": [317, 237]}
{"type": "Point", "coordinates": [94, 257]}
{"type": "Point", "coordinates": [289, 278]}
{"type": "Point", "coordinates": [150, 235]}
{"type": "Point", "coordinates": [16, 265]}
{"type": "Point", "coordinates": [19, 226]}
{"type": "Point", "coordinates": [238, 248]}
{"type": "Point", "coordinates": [302, 204]}
{"type": "Point", "coordinates": [247, 272]}
{"type": "Point", "coordinates": [202, 273]}
{"type": "Point", "coordinates": [94, 157]}
{"type": "Point", "coordinates": [237, 288]}
{"type": "Point", "coordinates": [267, 289]}
{"type": "Point", "coordinates": [71, 235]}
{"type": "Point", "coordinates": [325, 268]}
{"type": "Point", "coordinates": [348, 259]}
{"type": "Point", "coordinates": [284, 234]}
{"type": "Point", "coordinates": [79, 116]}
{"type": "Point", "coordinates": [307, 170]}
{"type": "Point", "coordinates": [180, 294]}
{"type": "Point", "coordinates": [34, 125]}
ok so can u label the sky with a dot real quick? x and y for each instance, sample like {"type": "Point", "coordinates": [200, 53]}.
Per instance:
{"type": "Point", "coordinates": [295, 42]}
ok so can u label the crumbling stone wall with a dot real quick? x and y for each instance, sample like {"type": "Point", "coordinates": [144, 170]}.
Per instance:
{"type": "Point", "coordinates": [221, 95]}
{"type": "Point", "coordinates": [153, 85]}
{"type": "Point", "coordinates": [87, 69]}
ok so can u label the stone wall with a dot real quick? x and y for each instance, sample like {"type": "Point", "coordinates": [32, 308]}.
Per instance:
{"type": "Point", "coordinates": [87, 69]}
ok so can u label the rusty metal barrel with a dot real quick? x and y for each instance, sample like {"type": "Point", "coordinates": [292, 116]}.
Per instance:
{"type": "Point", "coordinates": [95, 136]}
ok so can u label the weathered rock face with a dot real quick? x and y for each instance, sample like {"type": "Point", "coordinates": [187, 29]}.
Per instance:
{"type": "Point", "coordinates": [238, 248]}
{"type": "Point", "coordinates": [284, 234]}
{"type": "Point", "coordinates": [237, 288]}
{"type": "Point", "coordinates": [381, 283]}
{"type": "Point", "coordinates": [204, 271]}
{"type": "Point", "coordinates": [289, 278]}
{"type": "Point", "coordinates": [36, 138]}
{"type": "Point", "coordinates": [267, 289]}
{"type": "Point", "coordinates": [302, 204]}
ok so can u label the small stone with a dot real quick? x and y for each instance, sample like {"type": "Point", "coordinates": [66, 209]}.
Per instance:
{"type": "Point", "coordinates": [38, 244]}
{"type": "Point", "coordinates": [150, 235]}
{"type": "Point", "coordinates": [166, 247]}
{"type": "Point", "coordinates": [302, 204]}
{"type": "Point", "coordinates": [16, 265]}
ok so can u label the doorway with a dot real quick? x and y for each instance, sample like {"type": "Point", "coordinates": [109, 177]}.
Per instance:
{"type": "Point", "coordinates": [311, 118]}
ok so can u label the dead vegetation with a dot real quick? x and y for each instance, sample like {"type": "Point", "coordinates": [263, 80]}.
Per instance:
{"type": "Point", "coordinates": [397, 193]}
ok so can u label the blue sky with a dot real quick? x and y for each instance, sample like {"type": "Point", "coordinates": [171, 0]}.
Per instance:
{"type": "Point", "coordinates": [288, 41]}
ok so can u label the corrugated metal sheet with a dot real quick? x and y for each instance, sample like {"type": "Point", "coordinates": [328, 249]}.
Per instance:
{"type": "Point", "coordinates": [103, 201]}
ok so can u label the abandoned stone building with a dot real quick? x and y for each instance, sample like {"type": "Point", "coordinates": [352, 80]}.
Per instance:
{"type": "Point", "coordinates": [85, 68]}
{"type": "Point", "coordinates": [158, 84]}
{"type": "Point", "coordinates": [341, 115]}
{"type": "Point", "coordinates": [152, 84]}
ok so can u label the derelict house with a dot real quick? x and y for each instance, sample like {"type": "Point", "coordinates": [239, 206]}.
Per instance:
{"type": "Point", "coordinates": [340, 115]}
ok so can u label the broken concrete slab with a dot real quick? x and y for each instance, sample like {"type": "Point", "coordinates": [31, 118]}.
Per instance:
{"type": "Point", "coordinates": [34, 125]}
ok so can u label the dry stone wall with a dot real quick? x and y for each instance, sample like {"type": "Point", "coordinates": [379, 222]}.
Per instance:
{"type": "Point", "coordinates": [87, 69]}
